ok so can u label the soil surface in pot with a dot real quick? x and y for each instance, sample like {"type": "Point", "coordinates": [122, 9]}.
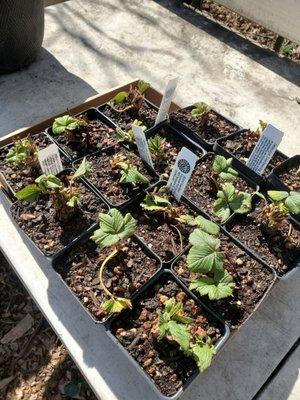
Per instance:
{"type": "Point", "coordinates": [214, 128]}
{"type": "Point", "coordinates": [16, 177]}
{"type": "Point", "coordinates": [39, 222]}
{"type": "Point", "coordinates": [166, 236]}
{"type": "Point", "coordinates": [124, 274]}
{"type": "Point", "coordinates": [202, 189]}
{"type": "Point", "coordinates": [242, 145]}
{"type": "Point", "coordinates": [291, 179]}
{"type": "Point", "coordinates": [277, 249]}
{"type": "Point", "coordinates": [164, 163]}
{"type": "Point", "coordinates": [251, 279]}
{"type": "Point", "coordinates": [106, 178]}
{"type": "Point", "coordinates": [146, 114]}
{"type": "Point", "coordinates": [93, 137]}
{"type": "Point", "coordinates": [167, 366]}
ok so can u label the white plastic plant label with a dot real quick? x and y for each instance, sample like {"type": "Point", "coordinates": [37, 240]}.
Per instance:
{"type": "Point", "coordinates": [264, 149]}
{"type": "Point", "coordinates": [142, 145]}
{"type": "Point", "coordinates": [166, 100]}
{"type": "Point", "coordinates": [181, 172]}
{"type": "Point", "coordinates": [50, 161]}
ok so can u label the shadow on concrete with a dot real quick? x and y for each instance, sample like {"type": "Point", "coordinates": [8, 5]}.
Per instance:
{"type": "Point", "coordinates": [281, 66]}
{"type": "Point", "coordinates": [44, 88]}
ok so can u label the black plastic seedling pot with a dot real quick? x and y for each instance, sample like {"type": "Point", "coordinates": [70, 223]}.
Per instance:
{"type": "Point", "coordinates": [160, 278]}
{"type": "Point", "coordinates": [134, 209]}
{"type": "Point", "coordinates": [240, 165]}
{"type": "Point", "coordinates": [286, 166]}
{"type": "Point", "coordinates": [198, 207]}
{"type": "Point", "coordinates": [102, 107]}
{"type": "Point", "coordinates": [295, 263]}
{"type": "Point", "coordinates": [171, 134]}
{"type": "Point", "coordinates": [192, 134]}
{"type": "Point", "coordinates": [111, 151]}
{"type": "Point", "coordinates": [214, 304]}
{"type": "Point", "coordinates": [60, 264]}
{"type": "Point", "coordinates": [52, 256]}
{"type": "Point", "coordinates": [92, 114]}
{"type": "Point", "coordinates": [4, 182]}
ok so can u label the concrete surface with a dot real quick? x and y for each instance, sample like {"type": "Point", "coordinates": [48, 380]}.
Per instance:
{"type": "Point", "coordinates": [92, 45]}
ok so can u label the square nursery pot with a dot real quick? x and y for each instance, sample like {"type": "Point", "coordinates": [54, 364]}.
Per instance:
{"type": "Point", "coordinates": [47, 234]}
{"type": "Point", "coordinates": [284, 176]}
{"type": "Point", "coordinates": [106, 182]}
{"type": "Point", "coordinates": [12, 177]}
{"type": "Point", "coordinates": [216, 127]}
{"type": "Point", "coordinates": [125, 275]}
{"type": "Point", "coordinates": [253, 281]}
{"type": "Point", "coordinates": [174, 141]}
{"type": "Point", "coordinates": [166, 237]}
{"type": "Point", "coordinates": [101, 135]}
{"type": "Point", "coordinates": [124, 120]}
{"type": "Point", "coordinates": [237, 146]}
{"type": "Point", "coordinates": [201, 191]}
{"type": "Point", "coordinates": [171, 371]}
{"type": "Point", "coordinates": [271, 250]}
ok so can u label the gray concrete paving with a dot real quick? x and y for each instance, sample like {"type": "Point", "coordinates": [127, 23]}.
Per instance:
{"type": "Point", "coordinates": [92, 45]}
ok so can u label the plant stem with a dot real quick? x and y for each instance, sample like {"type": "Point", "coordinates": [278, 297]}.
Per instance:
{"type": "Point", "coordinates": [109, 257]}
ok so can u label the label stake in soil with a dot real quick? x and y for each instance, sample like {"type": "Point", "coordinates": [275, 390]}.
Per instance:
{"type": "Point", "coordinates": [166, 100]}
{"type": "Point", "coordinates": [50, 161]}
{"type": "Point", "coordinates": [142, 145]}
{"type": "Point", "coordinates": [264, 149]}
{"type": "Point", "coordinates": [181, 172]}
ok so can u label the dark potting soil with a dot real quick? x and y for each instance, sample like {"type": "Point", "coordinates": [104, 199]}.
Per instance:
{"type": "Point", "coordinates": [202, 189]}
{"type": "Point", "coordinates": [242, 146]}
{"type": "Point", "coordinates": [137, 331]}
{"type": "Point", "coordinates": [277, 249]}
{"type": "Point", "coordinates": [291, 179]}
{"type": "Point", "coordinates": [214, 128]}
{"type": "Point", "coordinates": [124, 120]}
{"type": "Point", "coordinates": [164, 163]}
{"type": "Point", "coordinates": [39, 222]}
{"type": "Point", "coordinates": [16, 177]}
{"type": "Point", "coordinates": [106, 178]}
{"type": "Point", "coordinates": [124, 274]}
{"type": "Point", "coordinates": [166, 236]}
{"type": "Point", "coordinates": [93, 137]}
{"type": "Point", "coordinates": [251, 278]}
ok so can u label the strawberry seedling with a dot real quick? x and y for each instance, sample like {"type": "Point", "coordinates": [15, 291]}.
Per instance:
{"type": "Point", "coordinates": [113, 229]}
{"type": "Point", "coordinates": [65, 198]}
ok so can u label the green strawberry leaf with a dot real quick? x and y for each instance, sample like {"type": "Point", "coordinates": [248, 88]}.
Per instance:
{"type": "Point", "coordinates": [116, 305]}
{"type": "Point", "coordinates": [60, 124]}
{"type": "Point", "coordinates": [203, 354]}
{"type": "Point", "coordinates": [84, 169]}
{"type": "Point", "coordinates": [29, 193]}
{"type": "Point", "coordinates": [219, 287]}
{"type": "Point", "coordinates": [113, 228]}
{"type": "Point", "coordinates": [292, 202]}
{"type": "Point", "coordinates": [119, 98]}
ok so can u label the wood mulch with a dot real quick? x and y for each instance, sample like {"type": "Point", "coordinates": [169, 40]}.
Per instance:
{"type": "Point", "coordinates": [34, 365]}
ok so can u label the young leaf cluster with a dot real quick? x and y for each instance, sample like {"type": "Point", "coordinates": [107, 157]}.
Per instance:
{"type": "Point", "coordinates": [283, 204]}
{"type": "Point", "coordinates": [206, 258]}
{"type": "Point", "coordinates": [65, 199]}
{"type": "Point", "coordinates": [24, 154]}
{"type": "Point", "coordinates": [200, 109]}
{"type": "Point", "coordinates": [223, 166]}
{"type": "Point", "coordinates": [128, 137]}
{"type": "Point", "coordinates": [129, 173]}
{"type": "Point", "coordinates": [175, 326]}
{"type": "Point", "coordinates": [154, 203]}
{"type": "Point", "coordinates": [113, 228]}
{"type": "Point", "coordinates": [133, 99]}
{"type": "Point", "coordinates": [156, 146]}
{"type": "Point", "coordinates": [230, 200]}
{"type": "Point", "coordinates": [67, 123]}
